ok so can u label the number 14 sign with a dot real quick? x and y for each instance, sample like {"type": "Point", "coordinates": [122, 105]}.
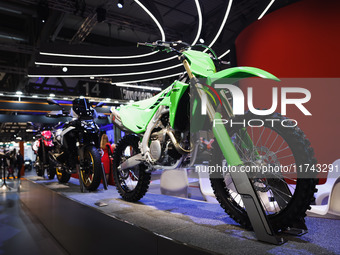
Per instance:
{"type": "Point", "coordinates": [94, 89]}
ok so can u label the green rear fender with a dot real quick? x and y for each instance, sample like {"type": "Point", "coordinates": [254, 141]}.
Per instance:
{"type": "Point", "coordinates": [235, 74]}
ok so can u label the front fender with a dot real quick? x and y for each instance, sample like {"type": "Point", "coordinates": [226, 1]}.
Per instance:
{"type": "Point", "coordinates": [235, 74]}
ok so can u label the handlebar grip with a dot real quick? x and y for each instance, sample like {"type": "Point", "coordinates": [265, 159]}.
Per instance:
{"type": "Point", "coordinates": [145, 44]}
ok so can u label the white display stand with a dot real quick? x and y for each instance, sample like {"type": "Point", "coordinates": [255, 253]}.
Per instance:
{"type": "Point", "coordinates": [174, 182]}
{"type": "Point", "coordinates": [205, 185]}
{"type": "Point", "coordinates": [330, 190]}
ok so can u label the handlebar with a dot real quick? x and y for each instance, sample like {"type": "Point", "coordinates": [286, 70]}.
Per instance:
{"type": "Point", "coordinates": [165, 46]}
{"type": "Point", "coordinates": [169, 46]}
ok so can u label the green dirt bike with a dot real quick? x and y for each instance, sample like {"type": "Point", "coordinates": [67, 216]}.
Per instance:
{"type": "Point", "coordinates": [164, 130]}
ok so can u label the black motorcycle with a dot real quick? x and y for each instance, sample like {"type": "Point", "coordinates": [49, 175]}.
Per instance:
{"type": "Point", "coordinates": [76, 144]}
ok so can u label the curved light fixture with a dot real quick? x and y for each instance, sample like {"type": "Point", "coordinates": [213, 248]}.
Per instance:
{"type": "Point", "coordinates": [152, 79]}
{"type": "Point", "coordinates": [125, 57]}
{"type": "Point", "coordinates": [105, 65]}
{"type": "Point", "coordinates": [265, 10]}
{"type": "Point", "coordinates": [94, 56]}
{"type": "Point", "coordinates": [199, 29]}
{"type": "Point", "coordinates": [137, 86]}
{"type": "Point", "coordinates": [104, 75]}
{"type": "Point", "coordinates": [153, 17]}
{"type": "Point", "coordinates": [222, 25]}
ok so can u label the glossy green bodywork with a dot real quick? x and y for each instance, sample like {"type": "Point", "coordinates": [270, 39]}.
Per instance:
{"type": "Point", "coordinates": [200, 63]}
{"type": "Point", "coordinates": [136, 116]}
{"type": "Point", "coordinates": [235, 74]}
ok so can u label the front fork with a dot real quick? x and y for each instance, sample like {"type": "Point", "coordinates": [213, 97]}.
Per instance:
{"type": "Point", "coordinates": [253, 205]}
{"type": "Point", "coordinates": [220, 132]}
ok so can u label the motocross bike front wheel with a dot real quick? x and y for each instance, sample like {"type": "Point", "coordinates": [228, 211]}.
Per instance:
{"type": "Point", "coordinates": [91, 168]}
{"type": "Point", "coordinates": [51, 171]}
{"type": "Point", "coordinates": [284, 198]}
{"type": "Point", "coordinates": [62, 176]}
{"type": "Point", "coordinates": [132, 183]}
{"type": "Point", "coordinates": [38, 167]}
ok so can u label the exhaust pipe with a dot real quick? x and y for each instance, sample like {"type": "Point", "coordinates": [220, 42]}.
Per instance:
{"type": "Point", "coordinates": [131, 162]}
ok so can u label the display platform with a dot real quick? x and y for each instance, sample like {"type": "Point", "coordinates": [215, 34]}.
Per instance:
{"type": "Point", "coordinates": [100, 222]}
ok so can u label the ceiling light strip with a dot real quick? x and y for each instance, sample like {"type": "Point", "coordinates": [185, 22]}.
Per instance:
{"type": "Point", "coordinates": [122, 57]}
{"type": "Point", "coordinates": [106, 65]}
{"type": "Point", "coordinates": [152, 79]}
{"type": "Point", "coordinates": [103, 75]}
{"type": "Point", "coordinates": [222, 25]}
{"type": "Point", "coordinates": [94, 56]}
{"type": "Point", "coordinates": [265, 10]}
{"type": "Point", "coordinates": [199, 12]}
{"type": "Point", "coordinates": [137, 86]}
{"type": "Point", "coordinates": [136, 56]}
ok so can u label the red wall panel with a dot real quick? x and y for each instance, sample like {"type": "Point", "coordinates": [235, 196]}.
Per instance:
{"type": "Point", "coordinates": [301, 40]}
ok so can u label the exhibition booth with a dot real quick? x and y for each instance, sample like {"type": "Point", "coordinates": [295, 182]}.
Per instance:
{"type": "Point", "coordinates": [203, 139]}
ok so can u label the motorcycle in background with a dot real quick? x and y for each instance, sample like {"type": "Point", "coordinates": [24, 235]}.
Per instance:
{"type": "Point", "coordinates": [76, 143]}
{"type": "Point", "coordinates": [41, 147]}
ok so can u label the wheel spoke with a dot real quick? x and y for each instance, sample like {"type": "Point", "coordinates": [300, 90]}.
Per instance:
{"type": "Point", "coordinates": [271, 131]}
{"type": "Point", "coordinates": [291, 155]}
{"type": "Point", "coordinates": [277, 135]}
{"type": "Point", "coordinates": [260, 137]}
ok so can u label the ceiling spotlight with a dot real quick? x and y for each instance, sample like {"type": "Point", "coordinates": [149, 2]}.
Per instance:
{"type": "Point", "coordinates": [65, 98]}
{"type": "Point", "coordinates": [201, 40]}
{"type": "Point", "coordinates": [35, 96]}
{"type": "Point", "coordinates": [1, 94]}
{"type": "Point", "coordinates": [18, 93]}
{"type": "Point", "coordinates": [65, 69]}
{"type": "Point", "coordinates": [120, 4]}
{"type": "Point", "coordinates": [108, 99]}
{"type": "Point", "coordinates": [91, 77]}
{"type": "Point", "coordinates": [52, 95]}
{"type": "Point", "coordinates": [81, 97]}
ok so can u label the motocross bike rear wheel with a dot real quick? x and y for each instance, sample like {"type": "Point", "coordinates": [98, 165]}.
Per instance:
{"type": "Point", "coordinates": [62, 176]}
{"type": "Point", "coordinates": [284, 197]}
{"type": "Point", "coordinates": [132, 183]}
{"type": "Point", "coordinates": [91, 168]}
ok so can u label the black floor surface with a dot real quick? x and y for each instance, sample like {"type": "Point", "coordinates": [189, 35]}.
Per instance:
{"type": "Point", "coordinates": [197, 223]}
{"type": "Point", "coordinates": [20, 232]}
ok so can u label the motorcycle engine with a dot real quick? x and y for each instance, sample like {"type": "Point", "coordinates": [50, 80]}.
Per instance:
{"type": "Point", "coordinates": [156, 149]}
{"type": "Point", "coordinates": [161, 147]}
